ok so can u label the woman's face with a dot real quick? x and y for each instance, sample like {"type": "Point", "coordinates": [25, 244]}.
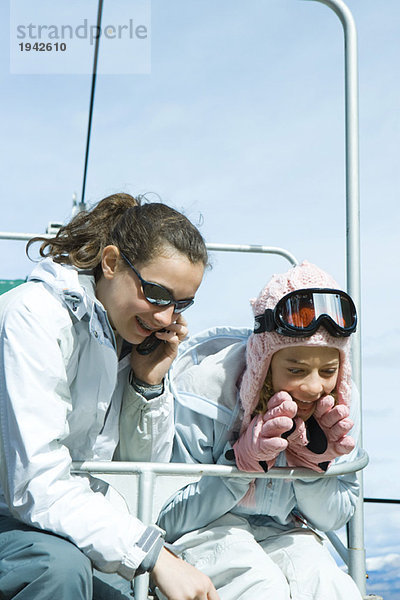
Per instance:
{"type": "Point", "coordinates": [307, 373]}
{"type": "Point", "coordinates": [120, 292]}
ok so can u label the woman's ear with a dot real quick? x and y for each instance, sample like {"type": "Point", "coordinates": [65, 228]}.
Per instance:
{"type": "Point", "coordinates": [109, 261]}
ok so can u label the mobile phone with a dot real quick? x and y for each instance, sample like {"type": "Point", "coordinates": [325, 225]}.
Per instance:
{"type": "Point", "coordinates": [149, 344]}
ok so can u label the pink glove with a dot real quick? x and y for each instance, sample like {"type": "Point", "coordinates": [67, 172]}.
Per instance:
{"type": "Point", "coordinates": [257, 448]}
{"type": "Point", "coordinates": [327, 437]}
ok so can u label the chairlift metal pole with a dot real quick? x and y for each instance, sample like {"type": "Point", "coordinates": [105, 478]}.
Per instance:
{"type": "Point", "coordinates": [356, 526]}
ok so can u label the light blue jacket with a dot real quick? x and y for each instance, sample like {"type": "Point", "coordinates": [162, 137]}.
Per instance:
{"type": "Point", "coordinates": [61, 387]}
{"type": "Point", "coordinates": [207, 421]}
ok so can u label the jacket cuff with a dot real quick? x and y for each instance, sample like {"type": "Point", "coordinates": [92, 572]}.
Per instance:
{"type": "Point", "coordinates": [146, 390]}
{"type": "Point", "coordinates": [152, 542]}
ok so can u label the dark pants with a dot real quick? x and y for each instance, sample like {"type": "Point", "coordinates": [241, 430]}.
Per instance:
{"type": "Point", "coordinates": [37, 565]}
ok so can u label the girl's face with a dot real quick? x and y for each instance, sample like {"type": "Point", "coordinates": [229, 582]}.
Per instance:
{"type": "Point", "coordinates": [120, 292]}
{"type": "Point", "coordinates": [307, 373]}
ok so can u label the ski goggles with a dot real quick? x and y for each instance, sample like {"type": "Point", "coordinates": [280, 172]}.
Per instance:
{"type": "Point", "coordinates": [157, 294]}
{"type": "Point", "coordinates": [300, 313]}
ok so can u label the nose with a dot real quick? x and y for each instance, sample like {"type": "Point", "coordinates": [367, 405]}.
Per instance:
{"type": "Point", "coordinates": [164, 316]}
{"type": "Point", "coordinates": [312, 386]}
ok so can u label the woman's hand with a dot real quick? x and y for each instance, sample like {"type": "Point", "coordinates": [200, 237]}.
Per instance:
{"type": "Point", "coordinates": [152, 368]}
{"type": "Point", "coordinates": [178, 580]}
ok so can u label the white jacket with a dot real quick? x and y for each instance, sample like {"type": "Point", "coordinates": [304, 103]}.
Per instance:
{"type": "Point", "coordinates": [61, 389]}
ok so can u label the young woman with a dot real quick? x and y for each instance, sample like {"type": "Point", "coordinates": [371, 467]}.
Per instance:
{"type": "Point", "coordinates": [279, 396]}
{"type": "Point", "coordinates": [69, 341]}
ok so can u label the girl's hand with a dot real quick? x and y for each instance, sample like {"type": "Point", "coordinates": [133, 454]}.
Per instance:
{"type": "Point", "coordinates": [257, 447]}
{"type": "Point", "coordinates": [152, 368]}
{"type": "Point", "coordinates": [327, 437]}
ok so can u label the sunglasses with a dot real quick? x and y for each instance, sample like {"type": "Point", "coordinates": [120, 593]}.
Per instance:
{"type": "Point", "coordinates": [300, 313]}
{"type": "Point", "coordinates": [157, 294]}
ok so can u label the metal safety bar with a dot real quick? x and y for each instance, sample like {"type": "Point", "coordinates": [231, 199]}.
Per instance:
{"type": "Point", "coordinates": [9, 235]}
{"type": "Point", "coordinates": [148, 472]}
{"type": "Point", "coordinates": [254, 248]}
{"type": "Point", "coordinates": [163, 469]}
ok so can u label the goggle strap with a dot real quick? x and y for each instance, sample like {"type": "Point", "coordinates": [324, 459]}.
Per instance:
{"type": "Point", "coordinates": [265, 322]}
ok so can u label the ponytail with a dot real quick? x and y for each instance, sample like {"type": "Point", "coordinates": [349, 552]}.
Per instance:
{"type": "Point", "coordinates": [82, 240]}
{"type": "Point", "coordinates": [140, 231]}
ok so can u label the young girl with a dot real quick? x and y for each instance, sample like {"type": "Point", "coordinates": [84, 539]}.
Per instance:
{"type": "Point", "coordinates": [280, 396]}
{"type": "Point", "coordinates": [68, 354]}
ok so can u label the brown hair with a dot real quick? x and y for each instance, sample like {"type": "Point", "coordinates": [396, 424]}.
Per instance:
{"type": "Point", "coordinates": [139, 230]}
{"type": "Point", "coordinates": [267, 391]}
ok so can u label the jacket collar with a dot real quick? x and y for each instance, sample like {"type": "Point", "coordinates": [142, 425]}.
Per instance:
{"type": "Point", "coordinates": [77, 289]}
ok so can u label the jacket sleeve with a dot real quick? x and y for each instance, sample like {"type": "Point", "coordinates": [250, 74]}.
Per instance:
{"type": "Point", "coordinates": [329, 502]}
{"type": "Point", "coordinates": [35, 464]}
{"type": "Point", "coordinates": [205, 500]}
{"type": "Point", "coordinates": [146, 426]}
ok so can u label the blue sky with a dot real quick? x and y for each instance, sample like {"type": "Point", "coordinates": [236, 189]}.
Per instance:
{"type": "Point", "coordinates": [240, 123]}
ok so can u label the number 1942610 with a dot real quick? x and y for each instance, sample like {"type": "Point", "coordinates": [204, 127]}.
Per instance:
{"type": "Point", "coordinates": [42, 47]}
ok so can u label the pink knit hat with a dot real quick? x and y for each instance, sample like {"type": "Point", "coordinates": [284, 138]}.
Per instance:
{"type": "Point", "coordinates": [262, 346]}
